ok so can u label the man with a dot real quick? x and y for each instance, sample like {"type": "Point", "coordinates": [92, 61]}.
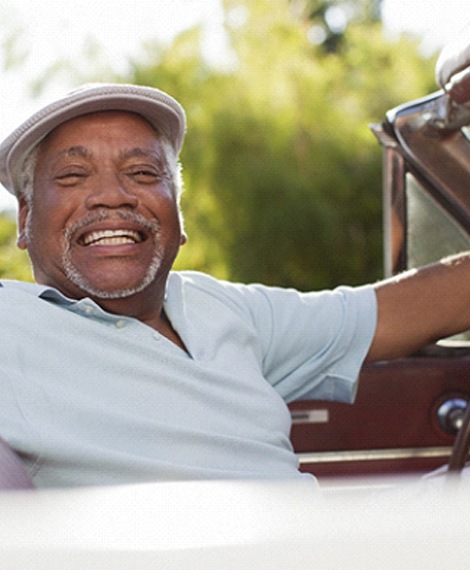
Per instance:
{"type": "Point", "coordinates": [116, 369]}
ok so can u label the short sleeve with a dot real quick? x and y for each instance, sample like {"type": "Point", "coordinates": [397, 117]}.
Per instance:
{"type": "Point", "coordinates": [315, 343]}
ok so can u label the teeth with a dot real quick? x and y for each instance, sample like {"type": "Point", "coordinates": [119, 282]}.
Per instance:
{"type": "Point", "coordinates": [111, 237]}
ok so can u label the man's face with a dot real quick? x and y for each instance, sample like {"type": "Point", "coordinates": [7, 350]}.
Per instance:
{"type": "Point", "coordinates": [103, 220]}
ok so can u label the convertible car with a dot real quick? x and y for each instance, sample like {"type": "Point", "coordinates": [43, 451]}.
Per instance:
{"type": "Point", "coordinates": [411, 418]}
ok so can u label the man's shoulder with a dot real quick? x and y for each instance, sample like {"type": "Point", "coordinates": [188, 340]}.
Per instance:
{"type": "Point", "coordinates": [18, 300]}
{"type": "Point", "coordinates": [23, 294]}
{"type": "Point", "coordinates": [10, 286]}
{"type": "Point", "coordinates": [190, 278]}
{"type": "Point", "coordinates": [215, 294]}
{"type": "Point", "coordinates": [197, 282]}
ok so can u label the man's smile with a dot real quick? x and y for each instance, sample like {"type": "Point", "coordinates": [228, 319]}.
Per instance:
{"type": "Point", "coordinates": [111, 229]}
{"type": "Point", "coordinates": [111, 237]}
{"type": "Point", "coordinates": [105, 236]}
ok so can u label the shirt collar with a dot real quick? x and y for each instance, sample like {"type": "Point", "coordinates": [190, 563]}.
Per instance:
{"type": "Point", "coordinates": [42, 291]}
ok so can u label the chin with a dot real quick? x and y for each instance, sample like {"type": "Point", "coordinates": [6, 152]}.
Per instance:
{"type": "Point", "coordinates": [96, 288]}
{"type": "Point", "coordinates": [99, 290]}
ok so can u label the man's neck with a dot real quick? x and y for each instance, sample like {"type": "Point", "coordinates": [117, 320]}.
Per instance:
{"type": "Point", "coordinates": [146, 308]}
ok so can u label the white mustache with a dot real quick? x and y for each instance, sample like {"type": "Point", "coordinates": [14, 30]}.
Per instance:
{"type": "Point", "coordinates": [153, 226]}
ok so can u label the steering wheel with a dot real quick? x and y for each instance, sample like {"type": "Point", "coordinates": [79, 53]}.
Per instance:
{"type": "Point", "coordinates": [461, 446]}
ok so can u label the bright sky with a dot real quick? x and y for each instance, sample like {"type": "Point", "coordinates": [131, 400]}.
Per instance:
{"type": "Point", "coordinates": [435, 21]}
{"type": "Point", "coordinates": [59, 28]}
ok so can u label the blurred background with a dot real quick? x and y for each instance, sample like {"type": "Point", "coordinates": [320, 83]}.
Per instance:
{"type": "Point", "coordinates": [282, 173]}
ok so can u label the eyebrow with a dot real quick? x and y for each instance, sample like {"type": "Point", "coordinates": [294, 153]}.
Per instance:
{"type": "Point", "coordinates": [77, 150]}
{"type": "Point", "coordinates": [143, 153]}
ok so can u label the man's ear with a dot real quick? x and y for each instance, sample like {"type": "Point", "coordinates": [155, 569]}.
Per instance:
{"type": "Point", "coordinates": [23, 212]}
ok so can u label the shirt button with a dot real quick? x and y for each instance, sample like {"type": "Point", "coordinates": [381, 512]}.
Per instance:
{"type": "Point", "coordinates": [120, 324]}
{"type": "Point", "coordinates": [88, 310]}
{"type": "Point", "coordinates": [157, 336]}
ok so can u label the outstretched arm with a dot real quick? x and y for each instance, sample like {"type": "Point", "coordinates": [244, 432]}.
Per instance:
{"type": "Point", "coordinates": [421, 306]}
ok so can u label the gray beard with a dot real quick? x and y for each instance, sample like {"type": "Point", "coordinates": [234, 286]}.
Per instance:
{"type": "Point", "coordinates": [78, 279]}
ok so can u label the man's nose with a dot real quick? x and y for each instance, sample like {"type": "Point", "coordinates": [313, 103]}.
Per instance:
{"type": "Point", "coordinates": [109, 191]}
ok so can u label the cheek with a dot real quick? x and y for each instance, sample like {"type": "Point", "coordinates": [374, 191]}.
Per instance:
{"type": "Point", "coordinates": [43, 230]}
{"type": "Point", "coordinates": [166, 211]}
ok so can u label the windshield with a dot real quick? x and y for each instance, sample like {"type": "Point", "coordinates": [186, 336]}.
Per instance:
{"type": "Point", "coordinates": [431, 232]}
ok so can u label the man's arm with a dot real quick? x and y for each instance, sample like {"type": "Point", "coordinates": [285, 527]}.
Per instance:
{"type": "Point", "coordinates": [421, 306]}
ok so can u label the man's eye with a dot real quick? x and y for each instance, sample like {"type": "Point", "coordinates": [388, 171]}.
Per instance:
{"type": "Point", "coordinates": [145, 175]}
{"type": "Point", "coordinates": [69, 178]}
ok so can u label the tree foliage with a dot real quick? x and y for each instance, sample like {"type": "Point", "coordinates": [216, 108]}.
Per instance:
{"type": "Point", "coordinates": [14, 263]}
{"type": "Point", "coordinates": [282, 175]}
{"type": "Point", "coordinates": [330, 18]}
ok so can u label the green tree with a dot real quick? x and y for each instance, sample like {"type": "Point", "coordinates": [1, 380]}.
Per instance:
{"type": "Point", "coordinates": [330, 18]}
{"type": "Point", "coordinates": [14, 263]}
{"type": "Point", "coordinates": [283, 175]}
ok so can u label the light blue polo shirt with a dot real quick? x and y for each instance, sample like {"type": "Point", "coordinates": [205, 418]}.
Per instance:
{"type": "Point", "coordinates": [92, 398]}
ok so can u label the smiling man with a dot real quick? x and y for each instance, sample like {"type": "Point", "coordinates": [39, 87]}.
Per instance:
{"type": "Point", "coordinates": [116, 369]}
{"type": "Point", "coordinates": [104, 220]}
